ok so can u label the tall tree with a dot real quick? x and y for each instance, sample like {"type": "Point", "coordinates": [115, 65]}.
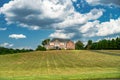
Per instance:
{"type": "Point", "coordinates": [114, 46]}
{"type": "Point", "coordinates": [45, 42]}
{"type": "Point", "coordinates": [118, 43]}
{"type": "Point", "coordinates": [79, 45]}
{"type": "Point", "coordinates": [89, 44]}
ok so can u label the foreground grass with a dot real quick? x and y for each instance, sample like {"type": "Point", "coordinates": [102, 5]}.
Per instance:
{"type": "Point", "coordinates": [52, 65]}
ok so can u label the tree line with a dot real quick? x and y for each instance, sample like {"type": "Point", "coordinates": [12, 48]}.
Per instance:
{"type": "Point", "coordinates": [113, 44]}
{"type": "Point", "coordinates": [4, 50]}
{"type": "Point", "coordinates": [104, 44]}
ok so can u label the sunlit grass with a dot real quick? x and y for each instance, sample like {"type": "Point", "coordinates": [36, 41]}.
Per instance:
{"type": "Point", "coordinates": [70, 64]}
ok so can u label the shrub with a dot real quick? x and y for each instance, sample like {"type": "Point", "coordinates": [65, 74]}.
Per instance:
{"type": "Point", "coordinates": [40, 48]}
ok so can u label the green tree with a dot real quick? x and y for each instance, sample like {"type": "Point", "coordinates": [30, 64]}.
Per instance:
{"type": "Point", "coordinates": [12, 51]}
{"type": "Point", "coordinates": [89, 44]}
{"type": "Point", "coordinates": [79, 45]}
{"type": "Point", "coordinates": [114, 46]}
{"type": "Point", "coordinates": [45, 42]}
{"type": "Point", "coordinates": [104, 44]}
{"type": "Point", "coordinates": [94, 46]}
{"type": "Point", "coordinates": [40, 48]}
{"type": "Point", "coordinates": [118, 43]}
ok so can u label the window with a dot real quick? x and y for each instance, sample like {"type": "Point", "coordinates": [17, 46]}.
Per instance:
{"type": "Point", "coordinates": [61, 44]}
{"type": "Point", "coordinates": [51, 44]}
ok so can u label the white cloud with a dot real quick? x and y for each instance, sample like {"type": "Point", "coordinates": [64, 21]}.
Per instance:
{"type": "Point", "coordinates": [95, 14]}
{"type": "Point", "coordinates": [3, 29]}
{"type": "Point", "coordinates": [78, 19]}
{"type": "Point", "coordinates": [58, 14]}
{"type": "Point", "coordinates": [104, 2]}
{"type": "Point", "coordinates": [88, 26]}
{"type": "Point", "coordinates": [108, 28]}
{"type": "Point", "coordinates": [89, 29]}
{"type": "Point", "coordinates": [17, 36]}
{"type": "Point", "coordinates": [43, 13]}
{"type": "Point", "coordinates": [74, 0]}
{"type": "Point", "coordinates": [46, 14]}
{"type": "Point", "coordinates": [30, 27]}
{"type": "Point", "coordinates": [6, 45]}
{"type": "Point", "coordinates": [96, 28]}
{"type": "Point", "coordinates": [61, 34]}
{"type": "Point", "coordinates": [93, 2]}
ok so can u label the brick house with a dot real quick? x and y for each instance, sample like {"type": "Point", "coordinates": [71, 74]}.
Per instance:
{"type": "Point", "coordinates": [58, 43]}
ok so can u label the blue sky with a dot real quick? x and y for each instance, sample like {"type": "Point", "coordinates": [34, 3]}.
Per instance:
{"type": "Point", "coordinates": [25, 24]}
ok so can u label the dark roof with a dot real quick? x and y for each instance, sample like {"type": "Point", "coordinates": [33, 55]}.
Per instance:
{"type": "Point", "coordinates": [60, 39]}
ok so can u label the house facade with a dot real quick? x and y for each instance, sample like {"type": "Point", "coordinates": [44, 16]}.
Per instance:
{"type": "Point", "coordinates": [58, 43]}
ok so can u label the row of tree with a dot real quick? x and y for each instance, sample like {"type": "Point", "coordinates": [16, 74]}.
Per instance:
{"type": "Point", "coordinates": [104, 44]}
{"type": "Point", "coordinates": [113, 44]}
{"type": "Point", "coordinates": [11, 51]}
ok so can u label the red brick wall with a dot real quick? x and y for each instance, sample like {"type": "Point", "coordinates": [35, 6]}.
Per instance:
{"type": "Point", "coordinates": [70, 45]}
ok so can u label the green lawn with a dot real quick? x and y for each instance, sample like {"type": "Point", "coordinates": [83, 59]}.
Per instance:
{"type": "Point", "coordinates": [62, 65]}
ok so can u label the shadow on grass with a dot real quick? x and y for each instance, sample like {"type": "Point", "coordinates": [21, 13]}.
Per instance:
{"type": "Point", "coordinates": [107, 53]}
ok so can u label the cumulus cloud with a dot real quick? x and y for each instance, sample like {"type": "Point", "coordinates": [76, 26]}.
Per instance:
{"type": "Point", "coordinates": [96, 28]}
{"type": "Point", "coordinates": [74, 0]}
{"type": "Point", "coordinates": [108, 2]}
{"type": "Point", "coordinates": [107, 28]}
{"type": "Point", "coordinates": [76, 19]}
{"type": "Point", "coordinates": [61, 34]}
{"type": "Point", "coordinates": [43, 13]}
{"type": "Point", "coordinates": [17, 36]}
{"type": "Point", "coordinates": [3, 29]}
{"type": "Point", "coordinates": [6, 45]}
{"type": "Point", "coordinates": [60, 16]}
{"type": "Point", "coordinates": [46, 14]}
{"type": "Point", "coordinates": [89, 29]}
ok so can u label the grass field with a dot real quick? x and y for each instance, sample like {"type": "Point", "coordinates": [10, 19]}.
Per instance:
{"type": "Point", "coordinates": [62, 65]}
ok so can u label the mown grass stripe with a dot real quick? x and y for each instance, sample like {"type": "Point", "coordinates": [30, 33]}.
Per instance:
{"type": "Point", "coordinates": [56, 65]}
{"type": "Point", "coordinates": [61, 63]}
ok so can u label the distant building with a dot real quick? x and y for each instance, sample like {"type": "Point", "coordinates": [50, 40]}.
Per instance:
{"type": "Point", "coordinates": [58, 43]}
